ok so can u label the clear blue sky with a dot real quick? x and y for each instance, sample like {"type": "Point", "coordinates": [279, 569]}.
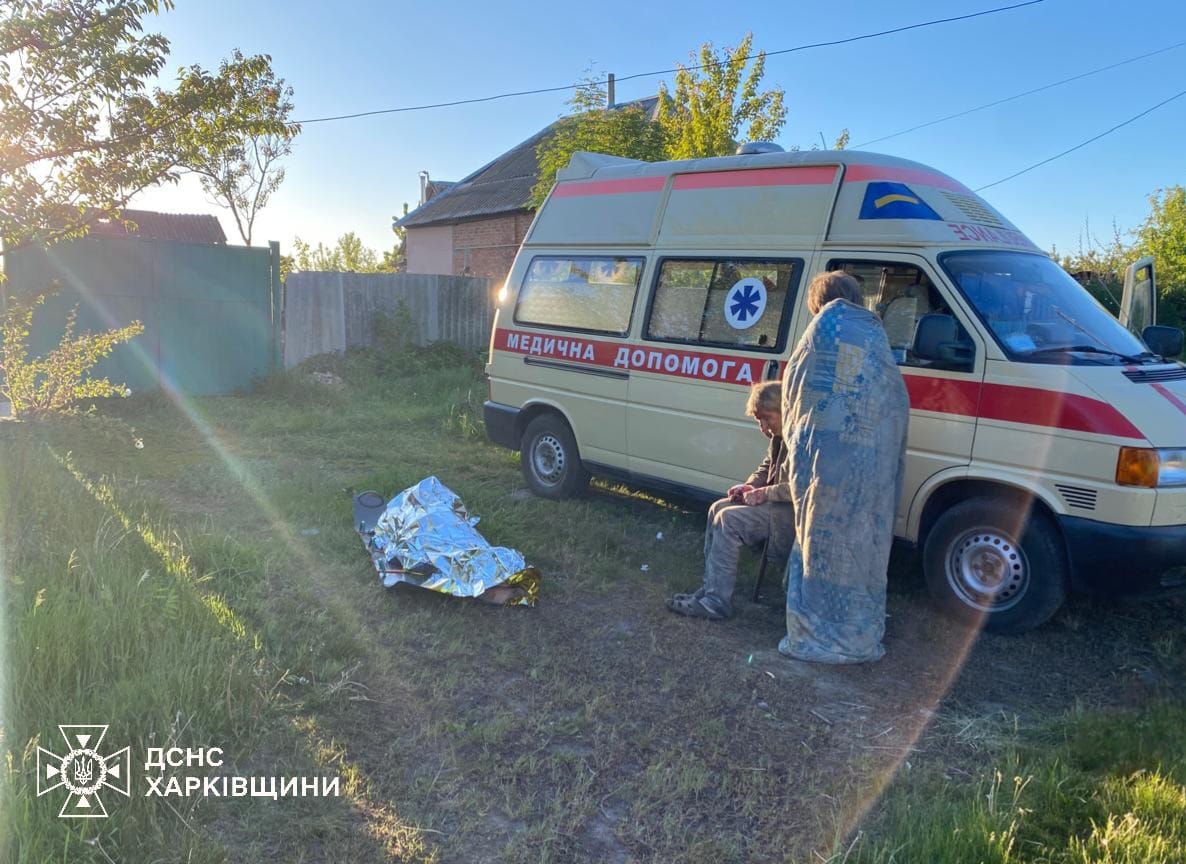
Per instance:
{"type": "Point", "coordinates": [353, 175]}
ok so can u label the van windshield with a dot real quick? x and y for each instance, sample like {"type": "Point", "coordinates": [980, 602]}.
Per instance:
{"type": "Point", "coordinates": [1038, 313]}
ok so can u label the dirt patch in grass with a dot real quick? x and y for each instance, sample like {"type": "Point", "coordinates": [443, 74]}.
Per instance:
{"type": "Point", "coordinates": [598, 726]}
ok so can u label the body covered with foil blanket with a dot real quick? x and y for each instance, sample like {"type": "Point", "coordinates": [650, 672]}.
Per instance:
{"type": "Point", "coordinates": [427, 529]}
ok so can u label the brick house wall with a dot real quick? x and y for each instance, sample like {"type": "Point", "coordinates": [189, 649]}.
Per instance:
{"type": "Point", "coordinates": [487, 247]}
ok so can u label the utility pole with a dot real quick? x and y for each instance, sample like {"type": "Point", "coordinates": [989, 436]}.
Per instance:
{"type": "Point", "coordinates": [609, 90]}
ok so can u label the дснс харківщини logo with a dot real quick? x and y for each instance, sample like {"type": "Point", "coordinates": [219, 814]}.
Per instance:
{"type": "Point", "coordinates": [83, 771]}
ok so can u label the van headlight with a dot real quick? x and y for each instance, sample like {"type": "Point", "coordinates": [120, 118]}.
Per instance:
{"type": "Point", "coordinates": [1151, 468]}
{"type": "Point", "coordinates": [1171, 467]}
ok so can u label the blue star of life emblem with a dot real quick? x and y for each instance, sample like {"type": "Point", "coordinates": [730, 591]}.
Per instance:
{"type": "Point", "coordinates": [745, 303]}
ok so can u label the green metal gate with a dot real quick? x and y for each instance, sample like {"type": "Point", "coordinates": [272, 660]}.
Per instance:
{"type": "Point", "coordinates": [211, 314]}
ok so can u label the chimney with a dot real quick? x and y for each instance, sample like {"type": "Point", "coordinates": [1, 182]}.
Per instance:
{"type": "Point", "coordinates": [423, 187]}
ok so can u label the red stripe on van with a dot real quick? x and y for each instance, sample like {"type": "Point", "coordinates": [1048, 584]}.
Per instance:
{"type": "Point", "coordinates": [1051, 408]}
{"type": "Point", "coordinates": [1029, 405]}
{"type": "Point", "coordinates": [862, 173]}
{"type": "Point", "coordinates": [814, 175]}
{"type": "Point", "coordinates": [943, 395]}
{"type": "Point", "coordinates": [577, 188]}
{"type": "Point", "coordinates": [1173, 400]}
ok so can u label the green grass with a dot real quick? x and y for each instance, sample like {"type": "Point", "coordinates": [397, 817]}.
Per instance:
{"type": "Point", "coordinates": [207, 590]}
{"type": "Point", "coordinates": [1099, 788]}
{"type": "Point", "coordinates": [108, 620]}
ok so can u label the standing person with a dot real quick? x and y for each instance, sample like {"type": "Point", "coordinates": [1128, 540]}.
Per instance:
{"type": "Point", "coordinates": [844, 411]}
{"type": "Point", "coordinates": [751, 512]}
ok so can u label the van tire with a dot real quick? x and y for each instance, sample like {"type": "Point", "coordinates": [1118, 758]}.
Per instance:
{"type": "Point", "coordinates": [551, 464]}
{"type": "Point", "coordinates": [979, 573]}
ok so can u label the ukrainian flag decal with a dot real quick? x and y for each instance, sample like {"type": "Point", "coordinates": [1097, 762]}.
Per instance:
{"type": "Point", "coordinates": [894, 201]}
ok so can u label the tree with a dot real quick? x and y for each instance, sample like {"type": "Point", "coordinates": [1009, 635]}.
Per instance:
{"type": "Point", "coordinates": [80, 132]}
{"type": "Point", "coordinates": [348, 255]}
{"type": "Point", "coordinates": [1163, 235]}
{"type": "Point", "coordinates": [396, 260]}
{"type": "Point", "coordinates": [702, 117]}
{"type": "Point", "coordinates": [243, 176]}
{"type": "Point", "coordinates": [709, 106]}
{"type": "Point", "coordinates": [1099, 265]}
{"type": "Point", "coordinates": [624, 130]}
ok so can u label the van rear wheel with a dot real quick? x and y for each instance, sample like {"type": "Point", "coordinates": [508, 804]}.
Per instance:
{"type": "Point", "coordinates": [981, 565]}
{"type": "Point", "coordinates": [551, 464]}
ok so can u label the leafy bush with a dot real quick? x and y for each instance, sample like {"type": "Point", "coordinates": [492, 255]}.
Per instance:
{"type": "Point", "coordinates": [394, 332]}
{"type": "Point", "coordinates": [395, 337]}
{"type": "Point", "coordinates": [57, 382]}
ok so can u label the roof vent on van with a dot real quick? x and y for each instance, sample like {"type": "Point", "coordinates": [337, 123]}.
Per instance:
{"type": "Point", "coordinates": [751, 147]}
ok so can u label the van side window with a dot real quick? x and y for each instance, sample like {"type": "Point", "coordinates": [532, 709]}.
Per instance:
{"type": "Point", "coordinates": [900, 294]}
{"type": "Point", "coordinates": [731, 302]}
{"type": "Point", "coordinates": [594, 294]}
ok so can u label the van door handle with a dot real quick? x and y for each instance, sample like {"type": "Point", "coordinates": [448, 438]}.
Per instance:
{"type": "Point", "coordinates": [771, 371]}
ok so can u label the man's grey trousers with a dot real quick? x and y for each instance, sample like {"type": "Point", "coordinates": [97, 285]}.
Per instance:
{"type": "Point", "coordinates": [731, 526]}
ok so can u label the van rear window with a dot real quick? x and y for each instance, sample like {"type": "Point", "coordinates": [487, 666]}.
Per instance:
{"type": "Point", "coordinates": [594, 294]}
{"type": "Point", "coordinates": [736, 303]}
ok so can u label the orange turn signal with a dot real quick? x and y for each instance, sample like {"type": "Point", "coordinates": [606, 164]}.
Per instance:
{"type": "Point", "coordinates": [1137, 466]}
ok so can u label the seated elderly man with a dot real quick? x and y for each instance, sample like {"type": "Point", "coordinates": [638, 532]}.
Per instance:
{"type": "Point", "coordinates": [751, 512]}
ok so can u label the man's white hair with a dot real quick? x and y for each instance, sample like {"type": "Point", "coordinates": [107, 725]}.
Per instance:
{"type": "Point", "coordinates": [765, 396]}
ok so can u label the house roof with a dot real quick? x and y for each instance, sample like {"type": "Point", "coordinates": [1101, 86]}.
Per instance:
{"type": "Point", "coordinates": [151, 225]}
{"type": "Point", "coordinates": [433, 188]}
{"type": "Point", "coordinates": [501, 186]}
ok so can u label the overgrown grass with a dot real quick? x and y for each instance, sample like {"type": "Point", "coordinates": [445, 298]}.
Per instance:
{"type": "Point", "coordinates": [594, 728]}
{"type": "Point", "coordinates": [1098, 788]}
{"type": "Point", "coordinates": [108, 619]}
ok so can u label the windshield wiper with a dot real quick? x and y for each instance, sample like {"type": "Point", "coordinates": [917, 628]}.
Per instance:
{"type": "Point", "coordinates": [1089, 349]}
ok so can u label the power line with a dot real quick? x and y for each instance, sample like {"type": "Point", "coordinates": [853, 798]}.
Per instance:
{"type": "Point", "coordinates": [1082, 144]}
{"type": "Point", "coordinates": [849, 39]}
{"type": "Point", "coordinates": [1020, 95]}
{"type": "Point", "coordinates": [539, 90]}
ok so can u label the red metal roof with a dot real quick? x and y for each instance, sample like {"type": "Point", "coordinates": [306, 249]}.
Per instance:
{"type": "Point", "coordinates": [150, 225]}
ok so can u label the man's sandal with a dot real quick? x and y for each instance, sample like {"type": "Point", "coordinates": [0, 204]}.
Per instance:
{"type": "Point", "coordinates": [693, 606]}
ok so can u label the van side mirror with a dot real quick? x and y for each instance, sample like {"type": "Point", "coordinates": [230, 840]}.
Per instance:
{"type": "Point", "coordinates": [937, 339]}
{"type": "Point", "coordinates": [1165, 341]}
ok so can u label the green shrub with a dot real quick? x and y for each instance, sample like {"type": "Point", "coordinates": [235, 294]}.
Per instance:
{"type": "Point", "coordinates": [394, 332]}
{"type": "Point", "coordinates": [57, 382]}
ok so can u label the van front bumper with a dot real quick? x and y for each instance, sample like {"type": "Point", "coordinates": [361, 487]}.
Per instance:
{"type": "Point", "coordinates": [1125, 559]}
{"type": "Point", "coordinates": [501, 424]}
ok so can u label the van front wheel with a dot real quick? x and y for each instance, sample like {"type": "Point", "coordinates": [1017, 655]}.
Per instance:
{"type": "Point", "coordinates": [548, 454]}
{"type": "Point", "coordinates": [981, 565]}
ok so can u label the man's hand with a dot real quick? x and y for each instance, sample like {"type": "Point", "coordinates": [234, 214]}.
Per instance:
{"type": "Point", "coordinates": [736, 493]}
{"type": "Point", "coordinates": [754, 497]}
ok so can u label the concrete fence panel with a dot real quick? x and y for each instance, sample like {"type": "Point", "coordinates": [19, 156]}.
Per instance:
{"type": "Point", "coordinates": [327, 312]}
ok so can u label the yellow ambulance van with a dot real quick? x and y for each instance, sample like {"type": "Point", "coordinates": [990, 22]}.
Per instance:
{"type": "Point", "coordinates": [1047, 440]}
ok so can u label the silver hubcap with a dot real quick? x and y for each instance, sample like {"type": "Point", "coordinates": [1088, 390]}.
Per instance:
{"type": "Point", "coordinates": [987, 570]}
{"type": "Point", "coordinates": [548, 459]}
